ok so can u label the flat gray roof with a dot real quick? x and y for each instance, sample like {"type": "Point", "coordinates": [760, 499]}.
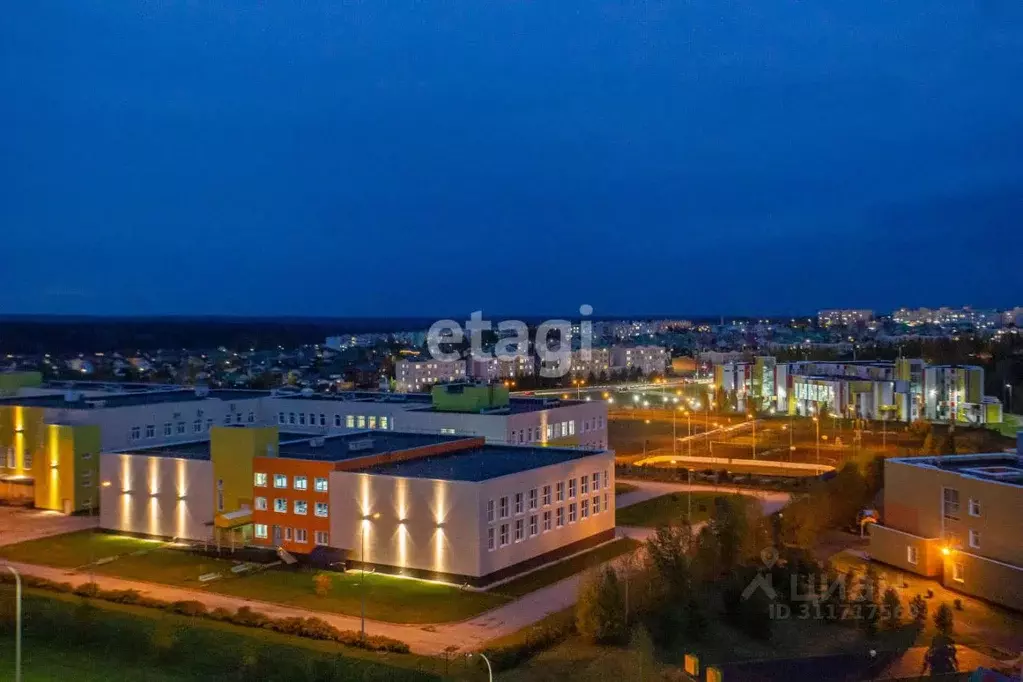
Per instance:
{"type": "Point", "coordinates": [112, 400]}
{"type": "Point", "coordinates": [998, 467]}
{"type": "Point", "coordinates": [481, 463]}
{"type": "Point", "coordinates": [358, 444]}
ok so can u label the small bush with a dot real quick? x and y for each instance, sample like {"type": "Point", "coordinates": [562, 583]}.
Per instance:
{"type": "Point", "coordinates": [918, 610]}
{"type": "Point", "coordinates": [249, 618]}
{"type": "Point", "coordinates": [958, 604]}
{"type": "Point", "coordinates": [322, 583]}
{"type": "Point", "coordinates": [538, 640]}
{"type": "Point", "coordinates": [188, 608]}
{"type": "Point", "coordinates": [87, 590]}
{"type": "Point", "coordinates": [220, 613]}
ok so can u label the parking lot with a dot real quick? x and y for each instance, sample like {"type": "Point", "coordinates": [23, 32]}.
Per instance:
{"type": "Point", "coordinates": [18, 524]}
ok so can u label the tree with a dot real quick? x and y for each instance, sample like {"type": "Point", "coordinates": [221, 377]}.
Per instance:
{"type": "Point", "coordinates": [668, 550]}
{"type": "Point", "coordinates": [600, 611]}
{"type": "Point", "coordinates": [940, 657]}
{"type": "Point", "coordinates": [892, 608]}
{"type": "Point", "coordinates": [928, 447]}
{"type": "Point", "coordinates": [748, 610]}
{"type": "Point", "coordinates": [944, 620]}
{"type": "Point", "coordinates": [918, 610]}
{"type": "Point", "coordinates": [868, 601]}
{"type": "Point", "coordinates": [321, 584]}
{"type": "Point", "coordinates": [848, 494]}
{"type": "Point", "coordinates": [641, 656]}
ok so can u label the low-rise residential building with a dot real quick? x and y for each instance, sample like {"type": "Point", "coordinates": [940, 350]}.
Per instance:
{"type": "Point", "coordinates": [417, 375]}
{"type": "Point", "coordinates": [956, 519]}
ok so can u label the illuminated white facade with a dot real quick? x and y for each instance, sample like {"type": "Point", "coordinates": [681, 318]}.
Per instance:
{"type": "Point", "coordinates": [156, 495]}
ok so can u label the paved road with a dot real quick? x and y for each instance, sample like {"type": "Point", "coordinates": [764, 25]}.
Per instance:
{"type": "Point", "coordinates": [18, 524]}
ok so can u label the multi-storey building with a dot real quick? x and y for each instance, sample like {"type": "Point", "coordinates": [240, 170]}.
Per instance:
{"type": "Point", "coordinates": [751, 385]}
{"type": "Point", "coordinates": [956, 393]}
{"type": "Point", "coordinates": [446, 507]}
{"type": "Point", "coordinates": [843, 318]}
{"type": "Point", "coordinates": [956, 518]}
{"type": "Point", "coordinates": [417, 375]}
{"type": "Point", "coordinates": [648, 359]}
{"type": "Point", "coordinates": [489, 369]}
{"type": "Point", "coordinates": [596, 361]}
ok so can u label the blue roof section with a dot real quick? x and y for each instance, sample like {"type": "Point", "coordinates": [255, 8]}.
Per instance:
{"type": "Point", "coordinates": [113, 400]}
{"type": "Point", "coordinates": [481, 463]}
{"type": "Point", "coordinates": [359, 444]}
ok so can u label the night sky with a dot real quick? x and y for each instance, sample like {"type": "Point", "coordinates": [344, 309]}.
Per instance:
{"type": "Point", "coordinates": [436, 157]}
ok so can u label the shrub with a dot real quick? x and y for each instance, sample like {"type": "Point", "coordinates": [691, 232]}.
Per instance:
{"type": "Point", "coordinates": [246, 616]}
{"type": "Point", "coordinates": [892, 608]}
{"type": "Point", "coordinates": [188, 608]}
{"type": "Point", "coordinates": [121, 596]}
{"type": "Point", "coordinates": [322, 583]}
{"type": "Point", "coordinates": [944, 621]}
{"type": "Point", "coordinates": [220, 613]}
{"type": "Point", "coordinates": [918, 610]}
{"type": "Point", "coordinates": [87, 590]}
{"type": "Point", "coordinates": [538, 640]}
{"type": "Point", "coordinates": [958, 604]}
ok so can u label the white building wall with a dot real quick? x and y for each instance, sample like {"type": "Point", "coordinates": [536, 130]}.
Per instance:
{"type": "Point", "coordinates": [416, 375]}
{"type": "Point", "coordinates": [160, 496]}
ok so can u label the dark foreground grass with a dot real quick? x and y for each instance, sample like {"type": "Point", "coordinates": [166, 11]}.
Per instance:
{"type": "Point", "coordinates": [567, 568]}
{"type": "Point", "coordinates": [668, 509]}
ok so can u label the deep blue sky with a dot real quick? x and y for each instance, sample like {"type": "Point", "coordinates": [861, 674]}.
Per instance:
{"type": "Point", "coordinates": [418, 158]}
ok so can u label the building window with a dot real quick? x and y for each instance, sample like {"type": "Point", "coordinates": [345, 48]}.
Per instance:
{"type": "Point", "coordinates": [251, 417]}
{"type": "Point", "coordinates": [320, 484]}
{"type": "Point", "coordinates": [584, 485]}
{"type": "Point", "coordinates": [260, 479]}
{"type": "Point", "coordinates": [301, 418]}
{"type": "Point", "coordinates": [209, 424]}
{"type": "Point", "coordinates": [337, 420]}
{"type": "Point", "coordinates": [518, 503]}
{"type": "Point", "coordinates": [596, 504]}
{"type": "Point", "coordinates": [322, 509]}
{"type": "Point", "coordinates": [559, 491]}
{"type": "Point", "coordinates": [547, 520]}
{"type": "Point", "coordinates": [167, 428]}
{"type": "Point", "coordinates": [287, 534]}
{"type": "Point", "coordinates": [911, 554]}
{"type": "Point", "coordinates": [291, 417]}
{"type": "Point", "coordinates": [504, 534]}
{"type": "Point", "coordinates": [150, 430]}
{"type": "Point", "coordinates": [301, 483]}
{"type": "Point", "coordinates": [238, 418]}
{"type": "Point", "coordinates": [490, 511]}
{"type": "Point", "coordinates": [546, 496]}
{"type": "Point", "coordinates": [227, 420]}
{"type": "Point", "coordinates": [197, 426]}
{"type": "Point", "coordinates": [571, 512]}
{"type": "Point", "coordinates": [259, 529]}
{"type": "Point", "coordinates": [560, 518]}
{"type": "Point", "coordinates": [571, 428]}
{"type": "Point", "coordinates": [181, 428]}
{"type": "Point", "coordinates": [533, 525]}
{"type": "Point", "coordinates": [975, 539]}
{"type": "Point", "coordinates": [372, 423]}
{"type": "Point", "coordinates": [312, 419]}
{"type": "Point", "coordinates": [490, 539]}
{"type": "Point", "coordinates": [596, 481]}
{"type": "Point", "coordinates": [27, 458]}
{"type": "Point", "coordinates": [532, 499]}
{"type": "Point", "coordinates": [87, 480]}
{"type": "Point", "coordinates": [280, 481]}
{"type": "Point", "coordinates": [519, 530]}
{"type": "Point", "coordinates": [383, 422]}
{"type": "Point", "coordinates": [950, 506]}
{"type": "Point", "coordinates": [323, 419]}
{"type": "Point", "coordinates": [281, 505]}
{"type": "Point", "coordinates": [322, 537]}
{"type": "Point", "coordinates": [280, 418]}
{"type": "Point", "coordinates": [957, 572]}
{"type": "Point", "coordinates": [585, 509]}
{"type": "Point", "coordinates": [136, 433]}
{"type": "Point", "coordinates": [974, 507]}
{"type": "Point", "coordinates": [261, 504]}
{"type": "Point", "coordinates": [571, 488]}
{"type": "Point", "coordinates": [504, 507]}
{"type": "Point", "coordinates": [301, 507]}
{"type": "Point", "coordinates": [361, 421]}
{"type": "Point", "coordinates": [301, 535]}
{"type": "Point", "coordinates": [350, 421]}
{"type": "Point", "coordinates": [220, 500]}
{"type": "Point", "coordinates": [607, 507]}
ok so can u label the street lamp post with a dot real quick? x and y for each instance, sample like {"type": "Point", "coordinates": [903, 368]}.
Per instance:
{"type": "Point", "coordinates": [362, 583]}
{"type": "Point", "coordinates": [17, 622]}
{"type": "Point", "coordinates": [817, 422]}
{"type": "Point", "coordinates": [490, 671]}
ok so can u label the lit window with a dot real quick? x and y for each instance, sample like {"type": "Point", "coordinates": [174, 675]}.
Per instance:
{"type": "Point", "coordinates": [504, 534]}
{"type": "Point", "coordinates": [361, 421]}
{"type": "Point", "coordinates": [259, 529]}
{"type": "Point", "coordinates": [546, 496]}
{"type": "Point", "coordinates": [322, 509]}
{"type": "Point", "coordinates": [301, 535]}
{"type": "Point", "coordinates": [571, 488]}
{"type": "Point", "coordinates": [547, 520]}
{"type": "Point", "coordinates": [350, 421]}
{"type": "Point", "coordinates": [301, 507]}
{"type": "Point", "coordinates": [504, 507]}
{"type": "Point", "coordinates": [280, 481]}
{"type": "Point", "coordinates": [260, 479]}
{"type": "Point", "coordinates": [322, 537]}
{"type": "Point", "coordinates": [372, 422]}
{"type": "Point", "coordinates": [532, 525]}
{"type": "Point", "coordinates": [320, 485]}
{"type": "Point", "coordinates": [281, 505]}
{"type": "Point", "coordinates": [561, 517]}
{"type": "Point", "coordinates": [490, 539]}
{"type": "Point", "coordinates": [518, 503]}
{"type": "Point", "coordinates": [585, 509]}
{"type": "Point", "coordinates": [301, 483]}
{"type": "Point", "coordinates": [975, 539]}
{"type": "Point", "coordinates": [571, 512]}
{"type": "Point", "coordinates": [559, 492]}
{"type": "Point", "coordinates": [261, 503]}
{"type": "Point", "coordinates": [571, 428]}
{"type": "Point", "coordinates": [957, 572]}
{"type": "Point", "coordinates": [519, 530]}
{"type": "Point", "coordinates": [490, 511]}
{"type": "Point", "coordinates": [383, 422]}
{"type": "Point", "coordinates": [974, 507]}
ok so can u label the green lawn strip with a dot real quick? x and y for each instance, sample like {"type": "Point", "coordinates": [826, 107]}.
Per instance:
{"type": "Point", "coordinates": [623, 488]}
{"type": "Point", "coordinates": [153, 622]}
{"type": "Point", "coordinates": [667, 509]}
{"type": "Point", "coordinates": [567, 568]}
{"type": "Point", "coordinates": [75, 549]}
{"type": "Point", "coordinates": [50, 662]}
{"type": "Point", "coordinates": [388, 598]}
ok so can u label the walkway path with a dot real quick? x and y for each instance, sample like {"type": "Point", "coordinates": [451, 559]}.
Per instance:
{"type": "Point", "coordinates": [646, 490]}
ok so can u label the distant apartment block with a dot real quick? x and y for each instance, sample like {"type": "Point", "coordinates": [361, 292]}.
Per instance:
{"type": "Point", "coordinates": [843, 318]}
{"type": "Point", "coordinates": [956, 519]}
{"type": "Point", "coordinates": [418, 375]}
{"type": "Point", "coordinates": [596, 361]}
{"type": "Point", "coordinates": [648, 359]}
{"type": "Point", "coordinates": [496, 369]}
{"type": "Point", "coordinates": [947, 316]}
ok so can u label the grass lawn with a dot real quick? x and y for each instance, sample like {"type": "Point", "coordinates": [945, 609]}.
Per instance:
{"type": "Point", "coordinates": [623, 488]}
{"type": "Point", "coordinates": [556, 572]}
{"type": "Point", "coordinates": [75, 549]}
{"type": "Point", "coordinates": [666, 509]}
